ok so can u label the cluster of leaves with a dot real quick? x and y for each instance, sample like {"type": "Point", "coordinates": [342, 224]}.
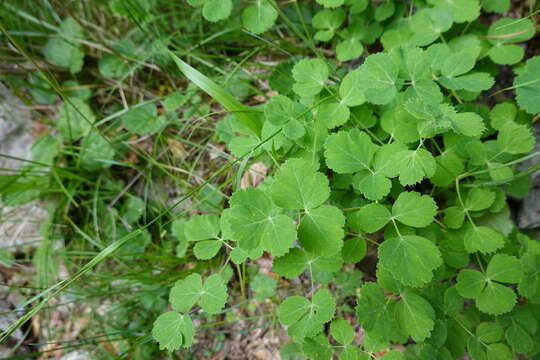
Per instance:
{"type": "Point", "coordinates": [403, 154]}
{"type": "Point", "coordinates": [257, 17]}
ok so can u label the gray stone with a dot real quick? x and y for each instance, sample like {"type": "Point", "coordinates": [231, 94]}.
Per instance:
{"type": "Point", "coordinates": [8, 317]}
{"type": "Point", "coordinates": [76, 355]}
{"type": "Point", "coordinates": [18, 225]}
{"type": "Point", "coordinates": [15, 130]}
{"type": "Point", "coordinates": [528, 216]}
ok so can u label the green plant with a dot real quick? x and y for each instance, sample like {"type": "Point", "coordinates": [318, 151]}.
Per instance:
{"type": "Point", "coordinates": [401, 152]}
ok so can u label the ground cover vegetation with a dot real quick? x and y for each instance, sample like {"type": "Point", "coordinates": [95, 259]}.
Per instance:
{"type": "Point", "coordinates": [340, 171]}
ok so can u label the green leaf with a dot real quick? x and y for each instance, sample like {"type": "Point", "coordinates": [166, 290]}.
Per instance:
{"type": "Point", "coordinates": [96, 151]}
{"type": "Point", "coordinates": [474, 284]}
{"type": "Point", "coordinates": [489, 332]}
{"type": "Point", "coordinates": [41, 90]}
{"type": "Point", "coordinates": [461, 10]}
{"type": "Point", "coordinates": [65, 49]}
{"type": "Point", "coordinates": [333, 114]}
{"type": "Point", "coordinates": [239, 255]}
{"type": "Point", "coordinates": [498, 6]}
{"type": "Point", "coordinates": [479, 199]}
{"type": "Point", "coordinates": [418, 257]}
{"type": "Point", "coordinates": [214, 294]}
{"type": "Point", "coordinates": [177, 229]}
{"type": "Point", "coordinates": [211, 296]}
{"type": "Point", "coordinates": [279, 110]}
{"type": "Point", "coordinates": [400, 124]}
{"type": "Point", "coordinates": [116, 66]}
{"type": "Point", "coordinates": [351, 94]}
{"type": "Point", "coordinates": [482, 239]}
{"type": "Point", "coordinates": [372, 185]}
{"type": "Point", "coordinates": [174, 100]}
{"type": "Point", "coordinates": [394, 37]}
{"type": "Point", "coordinates": [202, 227]}
{"type": "Point", "coordinates": [506, 54]}
{"type": "Point", "coordinates": [354, 250]}
{"type": "Point", "coordinates": [351, 352]}
{"type": "Point", "coordinates": [515, 139]}
{"type": "Point", "coordinates": [475, 349]}
{"type": "Point", "coordinates": [293, 130]}
{"type": "Point", "coordinates": [296, 261]}
{"type": "Point", "coordinates": [330, 3]}
{"type": "Point", "coordinates": [205, 250]}
{"type": "Point", "coordinates": [393, 355]}
{"type": "Point", "coordinates": [327, 21]}
{"type": "Point", "coordinates": [73, 89]}
{"type": "Point", "coordinates": [240, 145]}
{"type": "Point", "coordinates": [529, 286]}
{"type": "Point", "coordinates": [414, 209]}
{"type": "Point", "coordinates": [499, 352]}
{"type": "Point", "coordinates": [520, 340]}
{"type": "Point", "coordinates": [342, 331]}
{"type": "Point", "coordinates": [349, 49]}
{"type": "Point", "coordinates": [428, 24]}
{"type": "Point", "coordinates": [310, 76]}
{"type": "Point", "coordinates": [173, 330]}
{"type": "Point", "coordinates": [186, 292]}
{"type": "Point", "coordinates": [527, 85]}
{"type": "Point", "coordinates": [509, 30]}
{"type": "Point", "coordinates": [504, 268]}
{"type": "Point", "coordinates": [376, 313]}
{"type": "Point", "coordinates": [384, 11]}
{"type": "Point", "coordinates": [416, 316]}
{"type": "Point", "coordinates": [470, 283]}
{"type": "Point", "coordinates": [75, 119]}
{"type": "Point", "coordinates": [415, 64]}
{"type": "Point", "coordinates": [264, 286]}
{"type": "Point", "coordinates": [291, 264]}
{"type": "Point", "coordinates": [453, 302]}
{"type": "Point", "coordinates": [216, 10]}
{"type": "Point", "coordinates": [373, 217]}
{"type": "Point", "coordinates": [502, 113]}
{"type": "Point", "coordinates": [459, 63]}
{"type": "Point", "coordinates": [45, 149]}
{"type": "Point", "coordinates": [256, 221]}
{"type": "Point", "coordinates": [298, 185]}
{"type": "Point", "coordinates": [378, 78]}
{"type": "Point", "coordinates": [414, 165]}
{"type": "Point", "coordinates": [260, 17]}
{"type": "Point", "coordinates": [449, 166]}
{"type": "Point", "coordinates": [292, 309]}
{"type": "Point", "coordinates": [349, 151]}
{"type": "Point", "coordinates": [384, 159]}
{"type": "Point", "coordinates": [468, 124]}
{"type": "Point", "coordinates": [317, 347]}
{"type": "Point", "coordinates": [454, 217]}
{"type": "Point", "coordinates": [505, 299]}
{"type": "Point", "coordinates": [321, 230]}
{"type": "Point", "coordinates": [143, 119]}
{"type": "Point", "coordinates": [478, 81]}
{"type": "Point", "coordinates": [305, 318]}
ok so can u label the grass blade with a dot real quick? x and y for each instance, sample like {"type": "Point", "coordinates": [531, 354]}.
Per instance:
{"type": "Point", "coordinates": [219, 94]}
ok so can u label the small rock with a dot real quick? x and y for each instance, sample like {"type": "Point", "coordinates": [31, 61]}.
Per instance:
{"type": "Point", "coordinates": [18, 225]}
{"type": "Point", "coordinates": [528, 216]}
{"type": "Point", "coordinates": [76, 355]}
{"type": "Point", "coordinates": [7, 318]}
